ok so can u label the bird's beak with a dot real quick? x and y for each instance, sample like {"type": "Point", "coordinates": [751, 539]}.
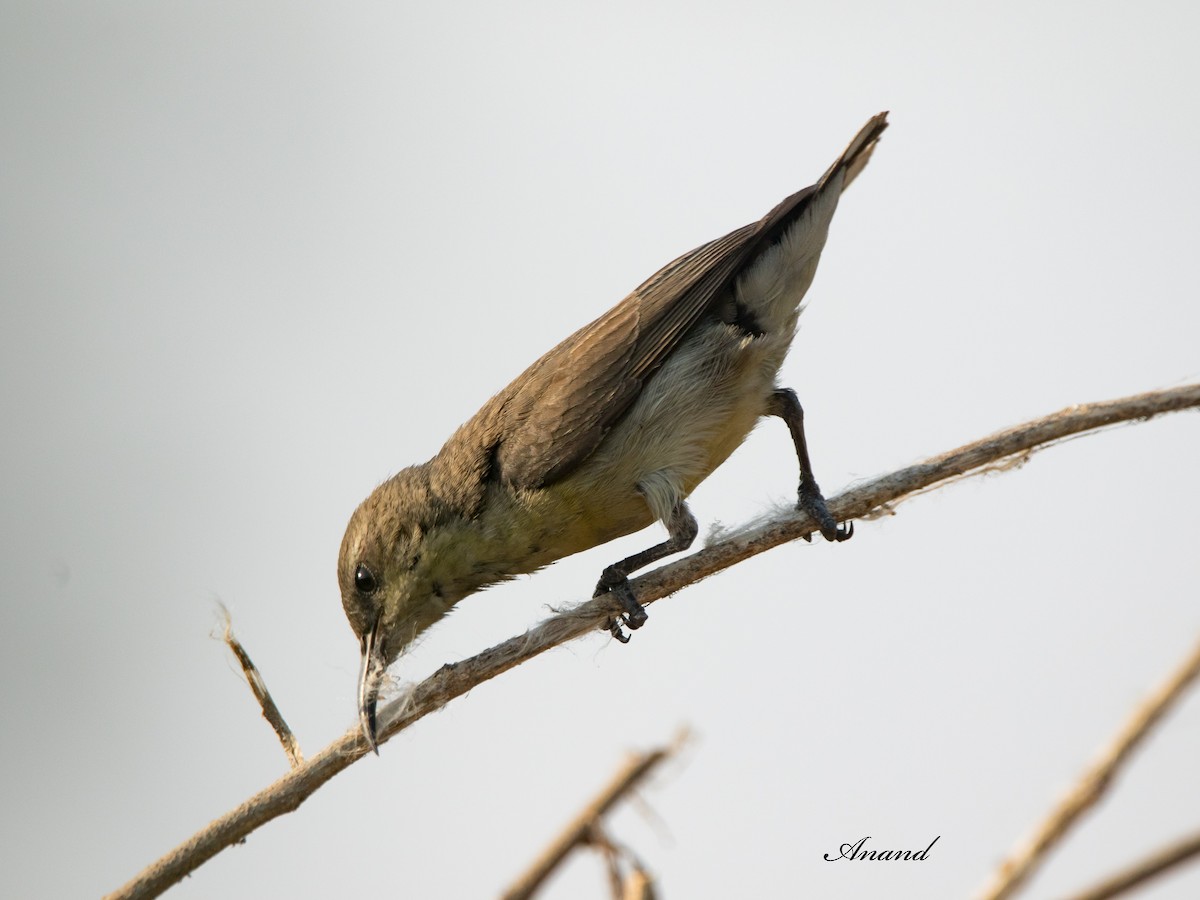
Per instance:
{"type": "Point", "coordinates": [368, 686]}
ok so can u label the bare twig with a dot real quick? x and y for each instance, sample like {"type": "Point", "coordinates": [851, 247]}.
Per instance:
{"type": "Point", "coordinates": [598, 840]}
{"type": "Point", "coordinates": [286, 794]}
{"type": "Point", "coordinates": [1028, 855]}
{"type": "Point", "coordinates": [638, 886]}
{"type": "Point", "coordinates": [583, 828]}
{"type": "Point", "coordinates": [1162, 860]}
{"type": "Point", "coordinates": [259, 687]}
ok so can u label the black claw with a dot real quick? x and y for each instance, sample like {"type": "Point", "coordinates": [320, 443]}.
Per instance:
{"type": "Point", "coordinates": [614, 628]}
{"type": "Point", "coordinates": [811, 502]}
{"type": "Point", "coordinates": [633, 616]}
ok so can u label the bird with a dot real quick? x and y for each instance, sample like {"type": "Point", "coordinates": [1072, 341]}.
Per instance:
{"type": "Point", "coordinates": [604, 435]}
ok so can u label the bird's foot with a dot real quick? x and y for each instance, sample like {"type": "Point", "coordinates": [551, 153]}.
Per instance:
{"type": "Point", "coordinates": [633, 615]}
{"type": "Point", "coordinates": [813, 503]}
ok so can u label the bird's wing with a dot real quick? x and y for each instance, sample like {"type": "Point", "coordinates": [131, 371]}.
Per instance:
{"type": "Point", "coordinates": [554, 415]}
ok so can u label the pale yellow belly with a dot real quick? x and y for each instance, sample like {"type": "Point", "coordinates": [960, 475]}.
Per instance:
{"type": "Point", "coordinates": [689, 418]}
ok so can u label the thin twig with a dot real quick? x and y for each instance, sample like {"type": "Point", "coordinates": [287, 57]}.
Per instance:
{"type": "Point", "coordinates": [1162, 860]}
{"type": "Point", "coordinates": [638, 886]}
{"type": "Point", "coordinates": [1031, 852]}
{"type": "Point", "coordinates": [598, 840]}
{"type": "Point", "coordinates": [259, 687]}
{"type": "Point", "coordinates": [583, 828]}
{"type": "Point", "coordinates": [286, 794]}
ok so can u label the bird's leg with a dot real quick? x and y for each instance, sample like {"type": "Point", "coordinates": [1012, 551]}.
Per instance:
{"type": "Point", "coordinates": [786, 405]}
{"type": "Point", "coordinates": [682, 530]}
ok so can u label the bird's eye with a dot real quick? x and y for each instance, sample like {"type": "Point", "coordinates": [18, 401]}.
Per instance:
{"type": "Point", "coordinates": [364, 581]}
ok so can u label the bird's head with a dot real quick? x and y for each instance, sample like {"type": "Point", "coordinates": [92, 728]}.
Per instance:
{"type": "Point", "coordinates": [388, 571]}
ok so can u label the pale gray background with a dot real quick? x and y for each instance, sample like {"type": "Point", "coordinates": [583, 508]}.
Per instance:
{"type": "Point", "coordinates": [256, 258]}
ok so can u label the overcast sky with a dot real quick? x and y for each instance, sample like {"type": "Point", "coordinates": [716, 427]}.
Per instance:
{"type": "Point", "coordinates": [257, 257]}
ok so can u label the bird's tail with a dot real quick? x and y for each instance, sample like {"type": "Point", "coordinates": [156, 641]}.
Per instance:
{"type": "Point", "coordinates": [855, 157]}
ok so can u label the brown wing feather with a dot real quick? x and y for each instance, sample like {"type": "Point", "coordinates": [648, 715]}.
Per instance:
{"type": "Point", "coordinates": [561, 408]}
{"type": "Point", "coordinates": [554, 416]}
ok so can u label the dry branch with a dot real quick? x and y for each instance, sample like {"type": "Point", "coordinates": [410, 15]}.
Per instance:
{"type": "Point", "coordinates": [638, 886]}
{"type": "Point", "coordinates": [1026, 858]}
{"type": "Point", "coordinates": [580, 830]}
{"type": "Point", "coordinates": [286, 794]}
{"type": "Point", "coordinates": [258, 686]}
{"type": "Point", "coordinates": [1162, 860]}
